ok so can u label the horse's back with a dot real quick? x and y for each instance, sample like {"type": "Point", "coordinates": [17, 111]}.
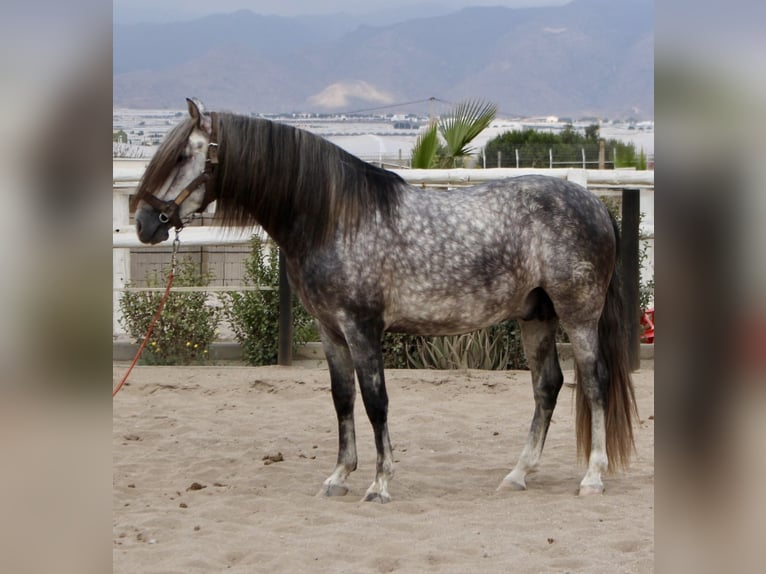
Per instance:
{"type": "Point", "coordinates": [531, 223]}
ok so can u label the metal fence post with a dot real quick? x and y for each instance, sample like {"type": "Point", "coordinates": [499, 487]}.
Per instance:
{"type": "Point", "coordinates": [285, 349]}
{"type": "Point", "coordinates": [629, 246]}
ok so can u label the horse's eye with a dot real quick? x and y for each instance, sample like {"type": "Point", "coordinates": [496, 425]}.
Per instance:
{"type": "Point", "coordinates": [182, 157]}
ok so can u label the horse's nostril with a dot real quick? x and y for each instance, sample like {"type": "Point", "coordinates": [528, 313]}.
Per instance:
{"type": "Point", "coordinates": [138, 226]}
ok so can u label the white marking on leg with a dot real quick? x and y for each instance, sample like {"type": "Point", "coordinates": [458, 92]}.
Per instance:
{"type": "Point", "coordinates": [534, 336]}
{"type": "Point", "coordinates": [378, 491]}
{"type": "Point", "coordinates": [335, 485]}
{"type": "Point", "coordinates": [530, 456]}
{"type": "Point", "coordinates": [597, 462]}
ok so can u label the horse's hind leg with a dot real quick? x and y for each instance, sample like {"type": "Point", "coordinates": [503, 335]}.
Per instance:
{"type": "Point", "coordinates": [593, 381]}
{"type": "Point", "coordinates": [539, 339]}
{"type": "Point", "coordinates": [343, 394]}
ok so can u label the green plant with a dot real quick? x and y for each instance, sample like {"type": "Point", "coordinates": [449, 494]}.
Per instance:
{"type": "Point", "coordinates": [533, 149]}
{"type": "Point", "coordinates": [493, 348]}
{"type": "Point", "coordinates": [458, 129]}
{"type": "Point", "coordinates": [426, 148]}
{"type": "Point", "coordinates": [641, 162]}
{"type": "Point", "coordinates": [398, 348]}
{"type": "Point", "coordinates": [187, 325]}
{"type": "Point", "coordinates": [512, 333]}
{"type": "Point", "coordinates": [254, 315]}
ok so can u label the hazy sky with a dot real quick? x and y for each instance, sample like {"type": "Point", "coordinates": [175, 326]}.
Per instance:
{"type": "Point", "coordinates": [164, 10]}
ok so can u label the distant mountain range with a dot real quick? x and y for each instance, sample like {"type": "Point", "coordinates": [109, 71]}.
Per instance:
{"type": "Point", "coordinates": [586, 58]}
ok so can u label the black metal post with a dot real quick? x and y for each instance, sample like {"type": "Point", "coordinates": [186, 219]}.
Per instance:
{"type": "Point", "coordinates": [285, 350]}
{"type": "Point", "coordinates": [629, 247]}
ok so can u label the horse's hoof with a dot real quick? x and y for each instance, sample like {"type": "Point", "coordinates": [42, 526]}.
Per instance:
{"type": "Point", "coordinates": [591, 489]}
{"type": "Point", "coordinates": [515, 480]}
{"type": "Point", "coordinates": [511, 485]}
{"type": "Point", "coordinates": [382, 497]}
{"type": "Point", "coordinates": [334, 490]}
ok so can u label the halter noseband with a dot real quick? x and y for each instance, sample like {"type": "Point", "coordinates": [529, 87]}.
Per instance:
{"type": "Point", "coordinates": [168, 210]}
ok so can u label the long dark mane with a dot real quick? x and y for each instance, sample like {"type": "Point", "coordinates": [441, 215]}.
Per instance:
{"type": "Point", "coordinates": [293, 183]}
{"type": "Point", "coordinates": [289, 180]}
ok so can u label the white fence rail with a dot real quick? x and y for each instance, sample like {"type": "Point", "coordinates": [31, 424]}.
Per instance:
{"type": "Point", "coordinates": [127, 173]}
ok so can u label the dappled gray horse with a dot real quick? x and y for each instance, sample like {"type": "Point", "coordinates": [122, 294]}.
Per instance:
{"type": "Point", "coordinates": [368, 253]}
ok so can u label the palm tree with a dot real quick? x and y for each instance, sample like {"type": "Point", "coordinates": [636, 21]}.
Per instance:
{"type": "Point", "coordinates": [458, 128]}
{"type": "Point", "coordinates": [426, 148]}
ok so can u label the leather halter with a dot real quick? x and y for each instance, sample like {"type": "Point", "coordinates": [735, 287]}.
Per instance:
{"type": "Point", "coordinates": [169, 210]}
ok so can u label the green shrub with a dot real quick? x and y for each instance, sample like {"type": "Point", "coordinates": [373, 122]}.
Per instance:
{"type": "Point", "coordinates": [254, 315]}
{"type": "Point", "coordinates": [398, 350]}
{"type": "Point", "coordinates": [187, 325]}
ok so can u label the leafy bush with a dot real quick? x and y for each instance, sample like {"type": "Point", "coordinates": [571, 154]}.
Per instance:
{"type": "Point", "coordinates": [398, 348]}
{"type": "Point", "coordinates": [534, 148]}
{"type": "Point", "coordinates": [254, 315]}
{"type": "Point", "coordinates": [187, 325]}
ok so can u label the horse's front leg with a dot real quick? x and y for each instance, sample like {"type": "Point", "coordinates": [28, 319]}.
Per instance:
{"type": "Point", "coordinates": [364, 342]}
{"type": "Point", "coordinates": [343, 395]}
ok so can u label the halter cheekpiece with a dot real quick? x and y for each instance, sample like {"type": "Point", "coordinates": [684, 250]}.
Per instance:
{"type": "Point", "coordinates": [169, 210]}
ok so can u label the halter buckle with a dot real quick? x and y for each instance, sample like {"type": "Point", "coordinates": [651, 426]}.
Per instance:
{"type": "Point", "coordinates": [212, 153]}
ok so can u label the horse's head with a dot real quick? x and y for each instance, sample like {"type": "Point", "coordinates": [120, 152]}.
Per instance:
{"type": "Point", "coordinates": [179, 178]}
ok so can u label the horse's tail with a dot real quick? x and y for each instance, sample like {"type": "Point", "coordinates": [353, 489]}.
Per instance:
{"type": "Point", "coordinates": [620, 400]}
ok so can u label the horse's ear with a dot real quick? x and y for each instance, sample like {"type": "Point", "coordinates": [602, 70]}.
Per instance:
{"type": "Point", "coordinates": [197, 113]}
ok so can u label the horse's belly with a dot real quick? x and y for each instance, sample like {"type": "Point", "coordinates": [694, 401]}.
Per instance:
{"type": "Point", "coordinates": [446, 315]}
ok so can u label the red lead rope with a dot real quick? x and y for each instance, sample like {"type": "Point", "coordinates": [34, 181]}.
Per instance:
{"type": "Point", "coordinates": [154, 319]}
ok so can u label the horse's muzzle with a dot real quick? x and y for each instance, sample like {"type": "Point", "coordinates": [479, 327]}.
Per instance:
{"type": "Point", "coordinates": [150, 228]}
